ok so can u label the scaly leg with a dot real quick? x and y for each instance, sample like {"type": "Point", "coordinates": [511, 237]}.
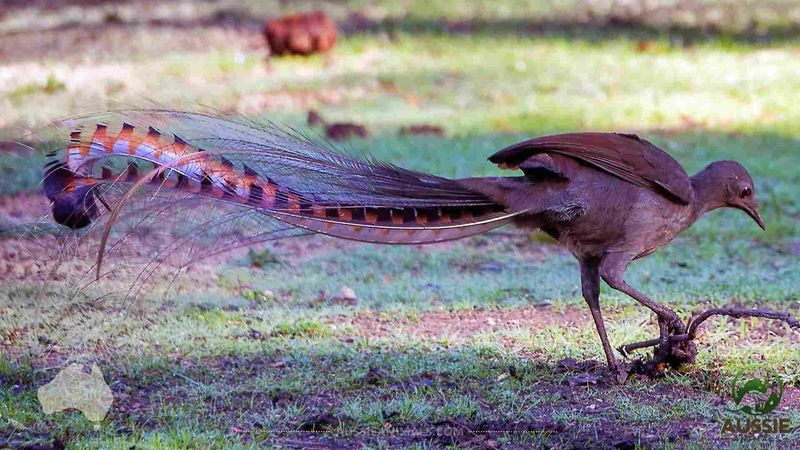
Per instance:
{"type": "Point", "coordinates": [590, 284]}
{"type": "Point", "coordinates": [612, 269]}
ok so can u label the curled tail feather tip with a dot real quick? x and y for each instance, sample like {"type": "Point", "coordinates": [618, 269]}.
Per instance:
{"type": "Point", "coordinates": [72, 206]}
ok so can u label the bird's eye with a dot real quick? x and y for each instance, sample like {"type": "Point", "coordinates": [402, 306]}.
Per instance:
{"type": "Point", "coordinates": [746, 192]}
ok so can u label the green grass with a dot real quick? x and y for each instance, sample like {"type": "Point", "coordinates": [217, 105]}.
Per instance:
{"type": "Point", "coordinates": [256, 349]}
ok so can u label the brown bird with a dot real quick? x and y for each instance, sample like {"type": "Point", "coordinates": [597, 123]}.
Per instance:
{"type": "Point", "coordinates": [609, 198]}
{"type": "Point", "coordinates": [612, 198]}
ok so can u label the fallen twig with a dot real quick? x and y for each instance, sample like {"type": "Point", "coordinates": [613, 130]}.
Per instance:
{"type": "Point", "coordinates": [695, 321]}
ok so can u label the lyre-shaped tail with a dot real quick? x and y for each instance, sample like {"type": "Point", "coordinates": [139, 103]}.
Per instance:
{"type": "Point", "coordinates": [258, 167]}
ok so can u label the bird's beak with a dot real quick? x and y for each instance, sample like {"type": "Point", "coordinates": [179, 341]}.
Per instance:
{"type": "Point", "coordinates": [752, 211]}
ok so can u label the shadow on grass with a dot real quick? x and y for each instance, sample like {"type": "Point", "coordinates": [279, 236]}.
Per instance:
{"type": "Point", "coordinates": [300, 394]}
{"type": "Point", "coordinates": [593, 31]}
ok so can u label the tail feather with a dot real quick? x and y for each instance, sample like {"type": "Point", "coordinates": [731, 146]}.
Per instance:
{"type": "Point", "coordinates": [283, 175]}
{"type": "Point", "coordinates": [415, 231]}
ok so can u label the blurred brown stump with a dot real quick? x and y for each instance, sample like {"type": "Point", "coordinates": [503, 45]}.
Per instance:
{"type": "Point", "coordinates": [300, 34]}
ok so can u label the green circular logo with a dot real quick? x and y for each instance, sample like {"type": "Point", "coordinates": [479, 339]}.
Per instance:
{"type": "Point", "coordinates": [757, 396]}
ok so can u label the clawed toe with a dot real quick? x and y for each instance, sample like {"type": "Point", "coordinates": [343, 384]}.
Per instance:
{"type": "Point", "coordinates": [672, 351]}
{"type": "Point", "coordinates": [619, 373]}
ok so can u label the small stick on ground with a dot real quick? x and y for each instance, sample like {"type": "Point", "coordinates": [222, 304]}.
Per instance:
{"type": "Point", "coordinates": [696, 320]}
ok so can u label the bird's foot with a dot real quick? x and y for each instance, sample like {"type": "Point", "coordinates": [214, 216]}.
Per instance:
{"type": "Point", "coordinates": [673, 350]}
{"type": "Point", "coordinates": [619, 373]}
{"type": "Point", "coordinates": [676, 346]}
{"type": "Point", "coordinates": [670, 351]}
{"type": "Point", "coordinates": [675, 353]}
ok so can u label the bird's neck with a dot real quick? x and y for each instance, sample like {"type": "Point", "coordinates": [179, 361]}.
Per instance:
{"type": "Point", "coordinates": [708, 193]}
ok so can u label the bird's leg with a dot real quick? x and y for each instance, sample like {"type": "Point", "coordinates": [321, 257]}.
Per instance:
{"type": "Point", "coordinates": [612, 269]}
{"type": "Point", "coordinates": [590, 285]}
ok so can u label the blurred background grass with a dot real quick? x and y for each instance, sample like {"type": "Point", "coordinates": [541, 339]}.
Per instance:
{"type": "Point", "coordinates": [476, 66]}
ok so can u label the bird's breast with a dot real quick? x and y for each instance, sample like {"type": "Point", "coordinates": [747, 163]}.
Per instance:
{"type": "Point", "coordinates": [664, 228]}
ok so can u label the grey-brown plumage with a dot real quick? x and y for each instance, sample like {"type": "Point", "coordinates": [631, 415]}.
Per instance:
{"type": "Point", "coordinates": [612, 198]}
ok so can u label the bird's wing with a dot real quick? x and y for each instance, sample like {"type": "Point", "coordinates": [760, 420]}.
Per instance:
{"type": "Point", "coordinates": [626, 156]}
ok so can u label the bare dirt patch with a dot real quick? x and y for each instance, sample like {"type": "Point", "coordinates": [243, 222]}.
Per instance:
{"type": "Point", "coordinates": [461, 325]}
{"type": "Point", "coordinates": [97, 30]}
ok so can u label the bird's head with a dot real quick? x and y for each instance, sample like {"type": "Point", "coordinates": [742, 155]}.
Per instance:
{"type": "Point", "coordinates": [738, 190]}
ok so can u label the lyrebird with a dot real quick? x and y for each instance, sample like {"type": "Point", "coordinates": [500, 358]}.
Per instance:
{"type": "Point", "coordinates": [609, 198]}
